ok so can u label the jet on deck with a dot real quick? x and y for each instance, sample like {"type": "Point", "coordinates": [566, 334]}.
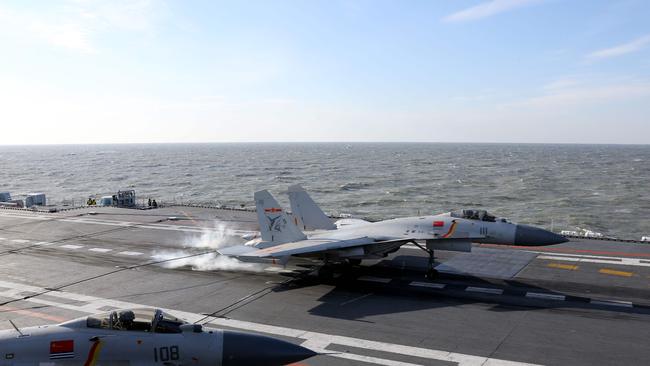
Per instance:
{"type": "Point", "coordinates": [142, 337]}
{"type": "Point", "coordinates": [352, 241]}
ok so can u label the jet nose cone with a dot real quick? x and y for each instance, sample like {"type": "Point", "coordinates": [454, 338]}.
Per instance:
{"type": "Point", "coordinates": [242, 349]}
{"type": "Point", "coordinates": [530, 235]}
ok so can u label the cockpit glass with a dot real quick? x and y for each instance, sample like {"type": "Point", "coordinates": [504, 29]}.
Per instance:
{"type": "Point", "coordinates": [143, 320]}
{"type": "Point", "coordinates": [480, 215]}
{"type": "Point", "coordinates": [166, 323]}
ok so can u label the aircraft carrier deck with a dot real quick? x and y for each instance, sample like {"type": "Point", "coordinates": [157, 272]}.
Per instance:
{"type": "Point", "coordinates": [584, 302]}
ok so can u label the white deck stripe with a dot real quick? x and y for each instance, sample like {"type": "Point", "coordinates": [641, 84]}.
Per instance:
{"type": "Point", "coordinates": [20, 241]}
{"type": "Point", "coordinates": [100, 250]}
{"type": "Point", "coordinates": [374, 279]}
{"type": "Point", "coordinates": [71, 246]}
{"type": "Point", "coordinates": [485, 290]}
{"type": "Point", "coordinates": [86, 220]}
{"type": "Point", "coordinates": [619, 261]}
{"type": "Point", "coordinates": [428, 284]}
{"type": "Point", "coordinates": [541, 295]}
{"type": "Point", "coordinates": [130, 253]}
{"type": "Point", "coordinates": [320, 340]}
{"type": "Point", "coordinates": [625, 304]}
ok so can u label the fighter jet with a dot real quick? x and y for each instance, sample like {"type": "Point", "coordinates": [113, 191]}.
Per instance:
{"type": "Point", "coordinates": [351, 241]}
{"type": "Point", "coordinates": [141, 337]}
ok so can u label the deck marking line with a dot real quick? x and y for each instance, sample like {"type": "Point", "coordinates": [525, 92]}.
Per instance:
{"type": "Point", "coordinates": [100, 250]}
{"type": "Point", "coordinates": [625, 304]}
{"type": "Point", "coordinates": [541, 295]}
{"type": "Point", "coordinates": [71, 246]}
{"type": "Point", "coordinates": [374, 279]}
{"type": "Point", "coordinates": [614, 272]}
{"type": "Point", "coordinates": [428, 284]}
{"type": "Point", "coordinates": [620, 261]}
{"type": "Point", "coordinates": [20, 241]}
{"type": "Point", "coordinates": [570, 267]}
{"type": "Point", "coordinates": [130, 253]}
{"type": "Point", "coordinates": [34, 314]}
{"type": "Point", "coordinates": [485, 290]}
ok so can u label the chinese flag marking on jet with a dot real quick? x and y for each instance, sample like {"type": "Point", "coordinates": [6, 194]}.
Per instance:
{"type": "Point", "coordinates": [273, 209]}
{"type": "Point", "coordinates": [438, 223]}
{"type": "Point", "coordinates": [62, 349]}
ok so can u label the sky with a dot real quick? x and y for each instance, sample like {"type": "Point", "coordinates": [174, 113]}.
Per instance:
{"type": "Point", "coordinates": [529, 71]}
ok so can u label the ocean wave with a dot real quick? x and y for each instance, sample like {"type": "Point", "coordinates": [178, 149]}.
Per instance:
{"type": "Point", "coordinates": [353, 186]}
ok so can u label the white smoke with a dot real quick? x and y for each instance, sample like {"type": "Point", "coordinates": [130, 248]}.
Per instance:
{"type": "Point", "coordinates": [219, 237]}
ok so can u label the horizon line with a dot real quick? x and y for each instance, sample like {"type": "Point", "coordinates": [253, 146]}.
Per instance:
{"type": "Point", "coordinates": [323, 142]}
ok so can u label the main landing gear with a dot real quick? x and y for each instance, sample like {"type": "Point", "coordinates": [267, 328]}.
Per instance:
{"type": "Point", "coordinates": [432, 272]}
{"type": "Point", "coordinates": [327, 270]}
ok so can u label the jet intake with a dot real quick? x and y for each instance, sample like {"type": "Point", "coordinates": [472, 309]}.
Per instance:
{"type": "Point", "coordinates": [455, 245]}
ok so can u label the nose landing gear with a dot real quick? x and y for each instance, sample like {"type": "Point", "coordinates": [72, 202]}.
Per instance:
{"type": "Point", "coordinates": [432, 272]}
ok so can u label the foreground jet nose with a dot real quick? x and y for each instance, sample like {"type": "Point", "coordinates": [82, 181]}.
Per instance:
{"type": "Point", "coordinates": [242, 349]}
{"type": "Point", "coordinates": [530, 235]}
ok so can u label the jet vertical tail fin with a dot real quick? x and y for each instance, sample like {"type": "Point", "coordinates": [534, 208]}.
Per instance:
{"type": "Point", "coordinates": [275, 226]}
{"type": "Point", "coordinates": [307, 215]}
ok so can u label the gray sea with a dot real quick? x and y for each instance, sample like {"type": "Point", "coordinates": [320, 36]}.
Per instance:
{"type": "Point", "coordinates": [603, 188]}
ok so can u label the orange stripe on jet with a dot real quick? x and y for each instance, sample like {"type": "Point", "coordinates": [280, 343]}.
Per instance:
{"type": "Point", "coordinates": [451, 230]}
{"type": "Point", "coordinates": [94, 353]}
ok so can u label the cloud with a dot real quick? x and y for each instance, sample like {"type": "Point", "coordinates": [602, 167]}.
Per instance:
{"type": "Point", "coordinates": [570, 92]}
{"type": "Point", "coordinates": [486, 9]}
{"type": "Point", "coordinates": [622, 49]}
{"type": "Point", "coordinates": [75, 24]}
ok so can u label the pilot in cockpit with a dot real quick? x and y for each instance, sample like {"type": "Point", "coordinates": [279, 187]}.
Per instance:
{"type": "Point", "coordinates": [125, 320]}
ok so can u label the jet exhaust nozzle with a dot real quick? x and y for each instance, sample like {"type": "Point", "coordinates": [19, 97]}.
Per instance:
{"type": "Point", "coordinates": [243, 349]}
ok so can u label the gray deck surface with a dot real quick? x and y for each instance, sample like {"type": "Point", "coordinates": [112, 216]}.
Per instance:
{"type": "Point", "coordinates": [581, 303]}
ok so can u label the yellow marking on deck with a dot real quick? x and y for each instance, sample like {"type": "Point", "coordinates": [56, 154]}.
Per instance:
{"type": "Point", "coordinates": [570, 267]}
{"type": "Point", "coordinates": [614, 272]}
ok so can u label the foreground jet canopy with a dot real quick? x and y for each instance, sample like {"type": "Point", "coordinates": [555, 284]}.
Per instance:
{"type": "Point", "coordinates": [352, 240]}
{"type": "Point", "coordinates": [142, 337]}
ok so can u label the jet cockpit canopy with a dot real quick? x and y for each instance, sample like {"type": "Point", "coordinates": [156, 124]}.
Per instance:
{"type": "Point", "coordinates": [481, 215]}
{"type": "Point", "coordinates": [143, 320]}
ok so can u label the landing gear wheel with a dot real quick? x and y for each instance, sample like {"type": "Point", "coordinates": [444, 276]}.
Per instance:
{"type": "Point", "coordinates": [325, 273]}
{"type": "Point", "coordinates": [354, 262]}
{"type": "Point", "coordinates": [432, 273]}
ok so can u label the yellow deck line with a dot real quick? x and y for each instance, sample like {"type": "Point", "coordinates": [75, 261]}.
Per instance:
{"type": "Point", "coordinates": [570, 267]}
{"type": "Point", "coordinates": [615, 272]}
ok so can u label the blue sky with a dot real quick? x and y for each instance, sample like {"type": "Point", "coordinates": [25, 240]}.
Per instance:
{"type": "Point", "coordinates": [200, 71]}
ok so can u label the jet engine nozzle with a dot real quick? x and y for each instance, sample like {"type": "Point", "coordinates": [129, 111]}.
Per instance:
{"type": "Point", "coordinates": [243, 349]}
{"type": "Point", "coordinates": [534, 236]}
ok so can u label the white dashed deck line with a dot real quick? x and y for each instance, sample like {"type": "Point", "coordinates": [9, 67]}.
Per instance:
{"type": "Point", "coordinates": [71, 246]}
{"type": "Point", "coordinates": [1, 239]}
{"type": "Point", "coordinates": [130, 253]}
{"type": "Point", "coordinates": [20, 241]}
{"type": "Point", "coordinates": [596, 259]}
{"type": "Point", "coordinates": [485, 290]}
{"type": "Point", "coordinates": [320, 341]}
{"type": "Point", "coordinates": [428, 284]}
{"type": "Point", "coordinates": [540, 295]}
{"type": "Point", "coordinates": [624, 304]}
{"type": "Point", "coordinates": [374, 279]}
{"type": "Point", "coordinates": [100, 250]}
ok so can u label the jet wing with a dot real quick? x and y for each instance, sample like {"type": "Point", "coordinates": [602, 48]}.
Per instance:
{"type": "Point", "coordinates": [312, 246]}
